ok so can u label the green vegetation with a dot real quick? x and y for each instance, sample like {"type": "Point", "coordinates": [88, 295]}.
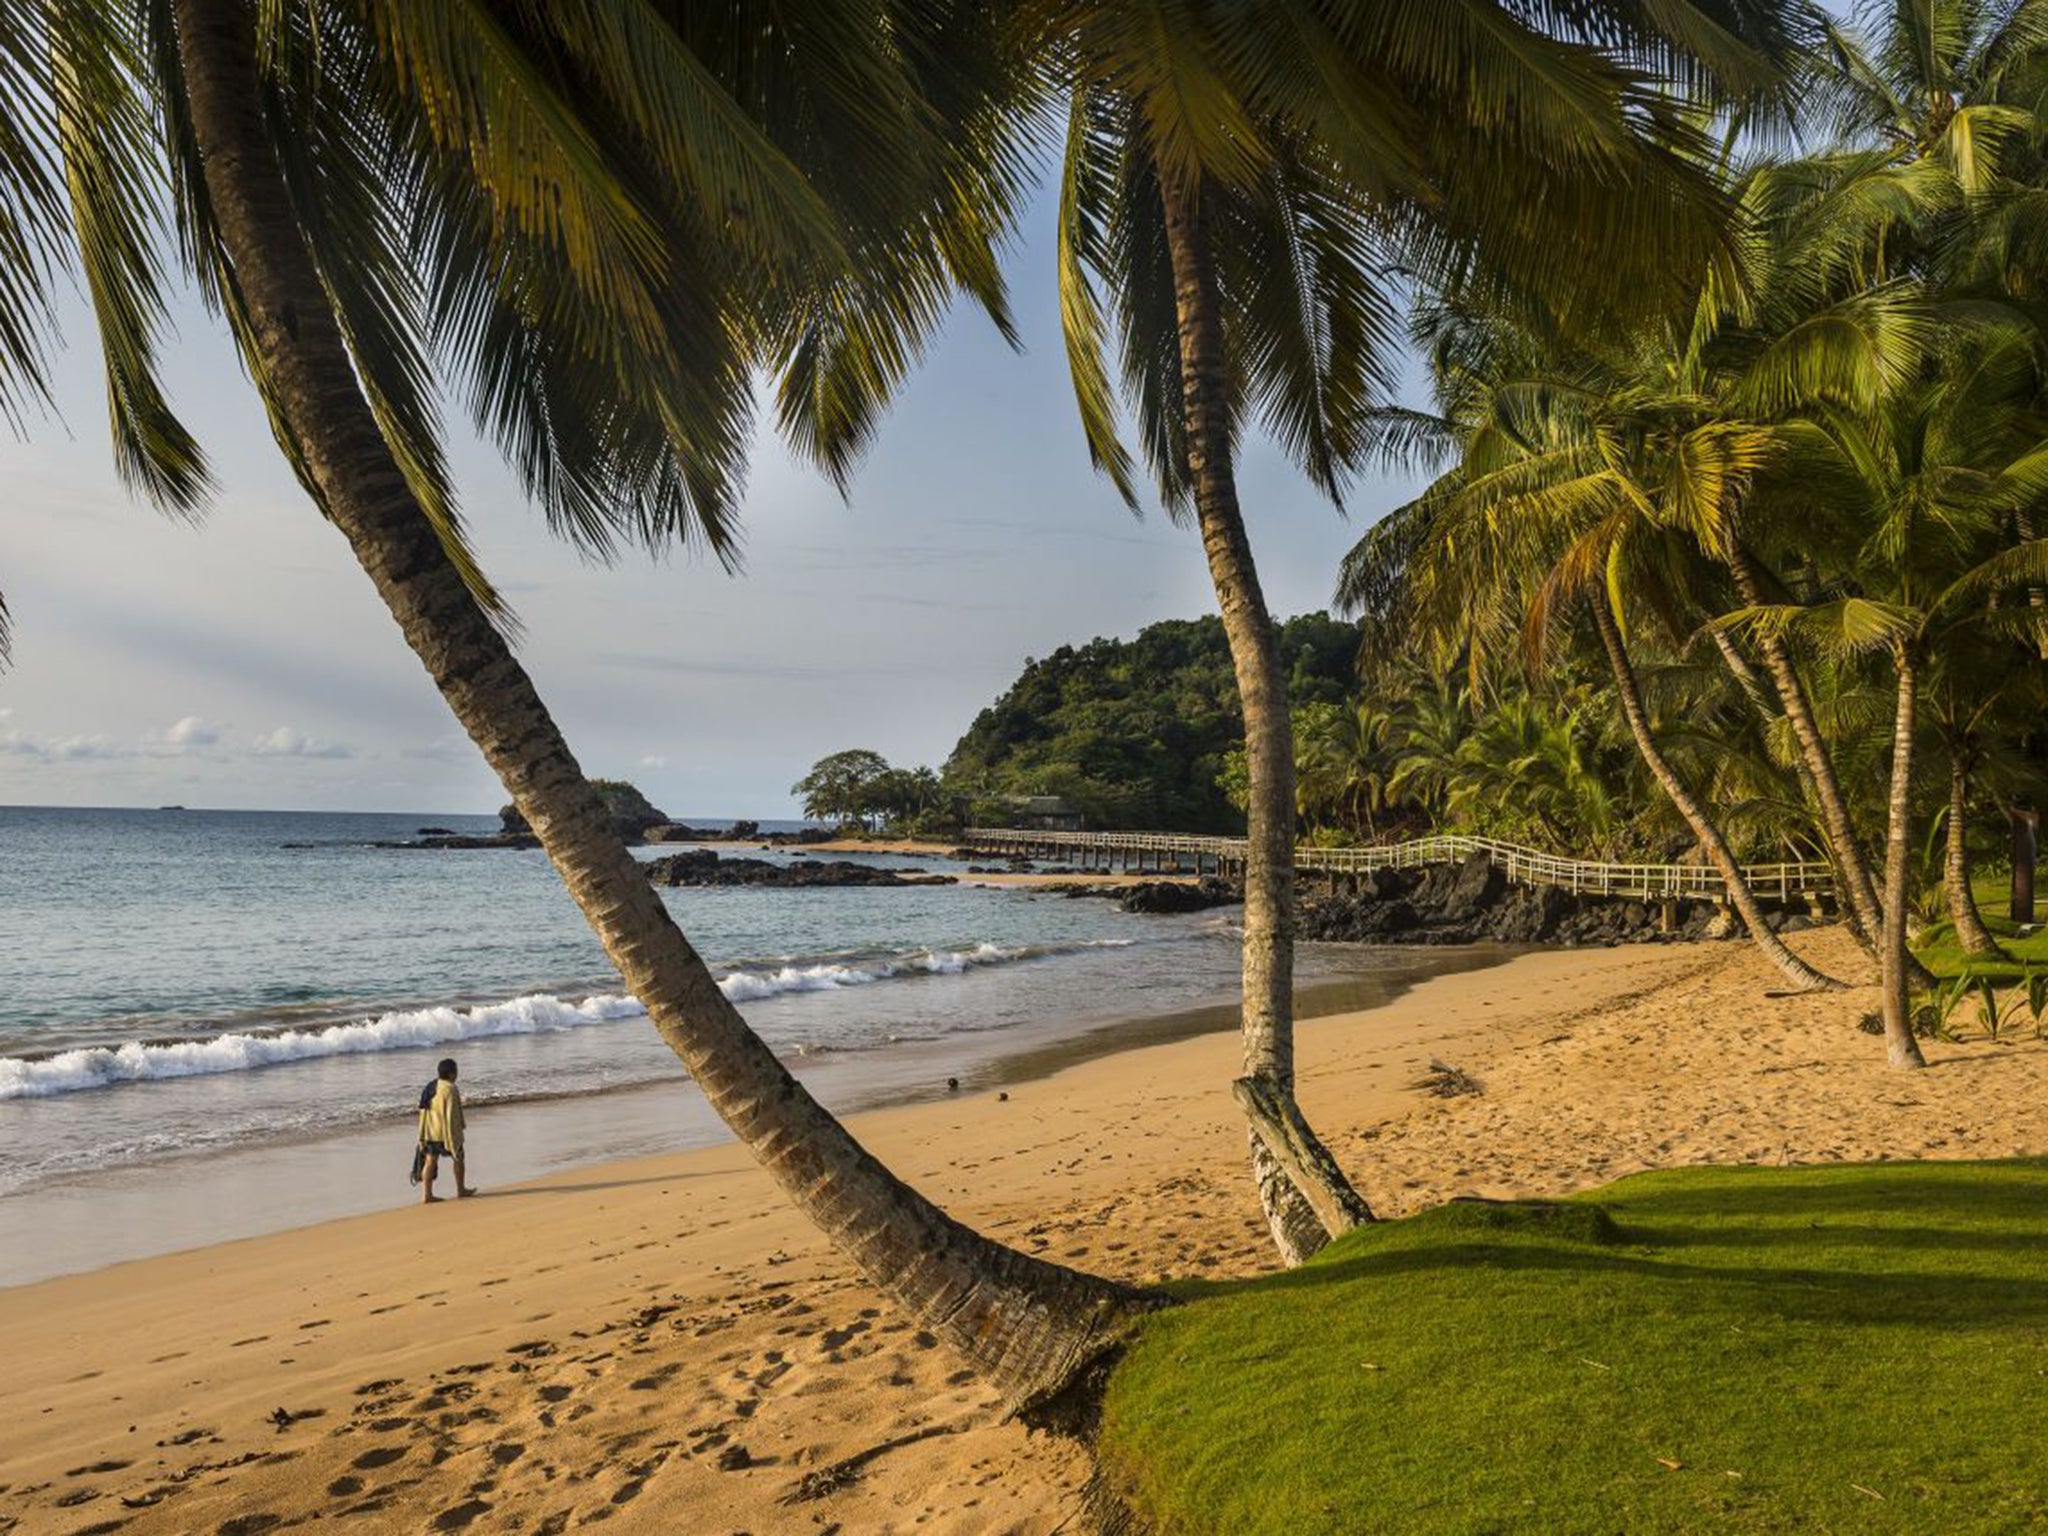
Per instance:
{"type": "Point", "coordinates": [1943, 954]}
{"type": "Point", "coordinates": [859, 787]}
{"type": "Point", "coordinates": [1134, 732]}
{"type": "Point", "coordinates": [1738, 1349]}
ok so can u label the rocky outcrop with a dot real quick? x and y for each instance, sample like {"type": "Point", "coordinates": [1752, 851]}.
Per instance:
{"type": "Point", "coordinates": [431, 839]}
{"type": "Point", "coordinates": [738, 832]}
{"type": "Point", "coordinates": [1170, 896]}
{"type": "Point", "coordinates": [1471, 902]}
{"type": "Point", "coordinates": [703, 867]}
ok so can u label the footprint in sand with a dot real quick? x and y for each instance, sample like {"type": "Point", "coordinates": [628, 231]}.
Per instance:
{"type": "Point", "coordinates": [342, 1487]}
{"type": "Point", "coordinates": [382, 1456]}
{"type": "Point", "coordinates": [461, 1515]}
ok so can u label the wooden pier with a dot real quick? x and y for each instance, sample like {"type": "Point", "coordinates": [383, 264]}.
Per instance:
{"type": "Point", "coordinates": [1172, 853]}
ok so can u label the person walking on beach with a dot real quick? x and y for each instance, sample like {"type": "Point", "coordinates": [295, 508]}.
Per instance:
{"type": "Point", "coordinates": [441, 1132]}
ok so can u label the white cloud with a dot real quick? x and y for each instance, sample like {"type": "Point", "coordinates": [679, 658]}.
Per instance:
{"type": "Point", "coordinates": [653, 761]}
{"type": "Point", "coordinates": [286, 742]}
{"type": "Point", "coordinates": [70, 749]}
{"type": "Point", "coordinates": [192, 731]}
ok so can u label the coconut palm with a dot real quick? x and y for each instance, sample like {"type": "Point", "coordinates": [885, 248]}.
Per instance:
{"type": "Point", "coordinates": [1531, 766]}
{"type": "Point", "coordinates": [1982, 694]}
{"type": "Point", "coordinates": [1941, 472]}
{"type": "Point", "coordinates": [1344, 761]}
{"type": "Point", "coordinates": [1240, 183]}
{"type": "Point", "coordinates": [596, 219]}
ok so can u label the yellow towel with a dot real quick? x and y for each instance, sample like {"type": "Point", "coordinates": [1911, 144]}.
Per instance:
{"type": "Point", "coordinates": [441, 1120]}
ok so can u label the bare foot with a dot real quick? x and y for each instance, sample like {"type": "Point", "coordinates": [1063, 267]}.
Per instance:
{"type": "Point", "coordinates": [464, 1193]}
{"type": "Point", "coordinates": [430, 1199]}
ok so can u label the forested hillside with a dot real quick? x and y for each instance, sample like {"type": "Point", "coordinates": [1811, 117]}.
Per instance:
{"type": "Point", "coordinates": [1135, 732]}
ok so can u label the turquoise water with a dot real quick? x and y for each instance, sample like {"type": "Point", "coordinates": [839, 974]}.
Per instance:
{"type": "Point", "coordinates": [178, 983]}
{"type": "Point", "coordinates": [216, 1024]}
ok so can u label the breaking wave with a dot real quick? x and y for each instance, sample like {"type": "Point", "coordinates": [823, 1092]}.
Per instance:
{"type": "Point", "coordinates": [143, 1061]}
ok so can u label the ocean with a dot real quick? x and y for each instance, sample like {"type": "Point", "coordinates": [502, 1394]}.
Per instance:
{"type": "Point", "coordinates": [216, 1023]}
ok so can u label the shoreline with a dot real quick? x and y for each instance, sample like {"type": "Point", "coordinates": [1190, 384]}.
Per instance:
{"type": "Point", "coordinates": [304, 1180]}
{"type": "Point", "coordinates": [611, 1341]}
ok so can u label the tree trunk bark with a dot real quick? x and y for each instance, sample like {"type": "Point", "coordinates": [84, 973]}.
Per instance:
{"type": "Point", "coordinates": [1268, 732]}
{"type": "Point", "coordinates": [1032, 1328]}
{"type": "Point", "coordinates": [1900, 1047]}
{"type": "Point", "coordinates": [1796, 970]}
{"type": "Point", "coordinates": [1971, 933]}
{"type": "Point", "coordinates": [1860, 892]}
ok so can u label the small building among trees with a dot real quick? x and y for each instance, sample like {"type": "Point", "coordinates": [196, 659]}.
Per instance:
{"type": "Point", "coordinates": [1040, 813]}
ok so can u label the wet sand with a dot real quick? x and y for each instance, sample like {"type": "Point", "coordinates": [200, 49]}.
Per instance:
{"type": "Point", "coordinates": [663, 1344]}
{"type": "Point", "coordinates": [119, 1213]}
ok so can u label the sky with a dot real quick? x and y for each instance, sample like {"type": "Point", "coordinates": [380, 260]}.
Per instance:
{"type": "Point", "coordinates": [245, 662]}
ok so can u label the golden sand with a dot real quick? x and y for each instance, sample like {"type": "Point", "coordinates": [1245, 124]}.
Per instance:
{"type": "Point", "coordinates": [665, 1346]}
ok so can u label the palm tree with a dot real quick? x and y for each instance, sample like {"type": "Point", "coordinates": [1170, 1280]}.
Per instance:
{"type": "Point", "coordinates": [1942, 471]}
{"type": "Point", "coordinates": [1238, 184]}
{"type": "Point", "coordinates": [1529, 768]}
{"type": "Point", "coordinates": [1983, 693]}
{"type": "Point", "coordinates": [1345, 762]}
{"type": "Point", "coordinates": [601, 218]}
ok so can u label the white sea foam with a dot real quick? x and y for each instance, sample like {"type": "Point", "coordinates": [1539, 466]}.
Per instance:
{"type": "Point", "coordinates": [410, 1029]}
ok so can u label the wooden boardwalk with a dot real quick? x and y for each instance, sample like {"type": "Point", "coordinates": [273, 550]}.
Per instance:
{"type": "Point", "coordinates": [1172, 853]}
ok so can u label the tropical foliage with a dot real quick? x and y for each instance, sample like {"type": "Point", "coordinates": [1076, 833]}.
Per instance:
{"type": "Point", "coordinates": [1818, 479]}
{"type": "Point", "coordinates": [859, 786]}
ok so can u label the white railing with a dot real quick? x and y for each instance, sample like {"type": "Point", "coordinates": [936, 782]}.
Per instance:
{"type": "Point", "coordinates": [1523, 866]}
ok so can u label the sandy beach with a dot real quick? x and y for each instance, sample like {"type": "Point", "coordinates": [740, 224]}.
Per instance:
{"type": "Point", "coordinates": [664, 1344]}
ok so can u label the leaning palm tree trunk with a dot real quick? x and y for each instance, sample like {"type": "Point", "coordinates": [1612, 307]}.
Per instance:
{"type": "Point", "coordinates": [1029, 1326]}
{"type": "Point", "coordinates": [1796, 970]}
{"type": "Point", "coordinates": [1291, 1212]}
{"type": "Point", "coordinates": [1859, 889]}
{"type": "Point", "coordinates": [1971, 933]}
{"type": "Point", "coordinates": [1901, 1049]}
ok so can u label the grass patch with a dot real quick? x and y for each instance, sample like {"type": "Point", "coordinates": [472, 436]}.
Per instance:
{"type": "Point", "coordinates": [1940, 953]}
{"type": "Point", "coordinates": [1737, 1349]}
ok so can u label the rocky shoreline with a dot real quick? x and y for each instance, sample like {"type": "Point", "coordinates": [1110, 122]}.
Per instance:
{"type": "Point", "coordinates": [705, 867]}
{"type": "Point", "coordinates": [1473, 902]}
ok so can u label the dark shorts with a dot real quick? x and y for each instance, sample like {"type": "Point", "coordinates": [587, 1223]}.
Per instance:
{"type": "Point", "coordinates": [435, 1149]}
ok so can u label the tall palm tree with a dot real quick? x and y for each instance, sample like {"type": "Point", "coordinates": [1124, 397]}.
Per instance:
{"type": "Point", "coordinates": [1981, 694]}
{"type": "Point", "coordinates": [599, 217]}
{"type": "Point", "coordinates": [1941, 471]}
{"type": "Point", "coordinates": [1240, 183]}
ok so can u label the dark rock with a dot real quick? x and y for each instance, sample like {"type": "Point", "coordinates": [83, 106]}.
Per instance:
{"type": "Point", "coordinates": [464, 840]}
{"type": "Point", "coordinates": [1528, 914]}
{"type": "Point", "coordinates": [435, 832]}
{"type": "Point", "coordinates": [1476, 885]}
{"type": "Point", "coordinates": [703, 867]}
{"type": "Point", "coordinates": [1473, 901]}
{"type": "Point", "coordinates": [1168, 896]}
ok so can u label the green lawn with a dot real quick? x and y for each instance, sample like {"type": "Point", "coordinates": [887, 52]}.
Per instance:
{"type": "Point", "coordinates": [1939, 953]}
{"type": "Point", "coordinates": [1849, 1348]}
